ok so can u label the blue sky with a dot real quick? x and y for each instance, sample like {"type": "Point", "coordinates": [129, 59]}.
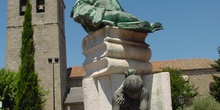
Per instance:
{"type": "Point", "coordinates": [191, 29]}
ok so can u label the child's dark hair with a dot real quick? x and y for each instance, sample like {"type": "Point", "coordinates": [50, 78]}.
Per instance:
{"type": "Point", "coordinates": [130, 72]}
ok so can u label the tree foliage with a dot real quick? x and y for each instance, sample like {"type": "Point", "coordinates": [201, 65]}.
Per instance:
{"type": "Point", "coordinates": [217, 65]}
{"type": "Point", "coordinates": [179, 86]}
{"type": "Point", "coordinates": [7, 88]}
{"type": "Point", "coordinates": [29, 96]}
{"type": "Point", "coordinates": [215, 88]}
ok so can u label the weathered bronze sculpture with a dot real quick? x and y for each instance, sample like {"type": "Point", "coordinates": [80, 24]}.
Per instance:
{"type": "Point", "coordinates": [131, 95]}
{"type": "Point", "coordinates": [95, 14]}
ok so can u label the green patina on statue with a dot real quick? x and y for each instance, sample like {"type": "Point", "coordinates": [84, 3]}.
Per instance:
{"type": "Point", "coordinates": [96, 14]}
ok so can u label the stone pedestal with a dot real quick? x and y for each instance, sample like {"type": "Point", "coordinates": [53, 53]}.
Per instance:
{"type": "Point", "coordinates": [113, 51]}
{"type": "Point", "coordinates": [109, 53]}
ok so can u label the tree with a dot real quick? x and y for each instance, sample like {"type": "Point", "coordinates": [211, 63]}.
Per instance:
{"type": "Point", "coordinates": [7, 88]}
{"type": "Point", "coordinates": [30, 95]}
{"type": "Point", "coordinates": [216, 65]}
{"type": "Point", "coordinates": [179, 86]}
{"type": "Point", "coordinates": [215, 88]}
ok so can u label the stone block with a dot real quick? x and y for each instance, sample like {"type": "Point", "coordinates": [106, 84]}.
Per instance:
{"type": "Point", "coordinates": [98, 92]}
{"type": "Point", "coordinates": [160, 91]}
{"type": "Point", "coordinates": [90, 93]}
{"type": "Point", "coordinates": [105, 92]}
{"type": "Point", "coordinates": [118, 51]}
{"type": "Point", "coordinates": [113, 34]}
{"type": "Point", "coordinates": [107, 66]}
{"type": "Point", "coordinates": [112, 51]}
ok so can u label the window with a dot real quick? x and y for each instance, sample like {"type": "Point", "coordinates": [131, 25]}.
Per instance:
{"type": "Point", "coordinates": [22, 7]}
{"type": "Point", "coordinates": [40, 7]}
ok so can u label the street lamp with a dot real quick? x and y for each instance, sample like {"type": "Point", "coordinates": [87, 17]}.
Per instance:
{"type": "Point", "coordinates": [0, 104]}
{"type": "Point", "coordinates": [50, 61]}
{"type": "Point", "coordinates": [181, 100]}
{"type": "Point", "coordinates": [218, 49]}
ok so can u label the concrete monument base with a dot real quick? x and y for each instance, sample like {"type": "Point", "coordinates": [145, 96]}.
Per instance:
{"type": "Point", "coordinates": [98, 92]}
{"type": "Point", "coordinates": [109, 53]}
{"type": "Point", "coordinates": [112, 51]}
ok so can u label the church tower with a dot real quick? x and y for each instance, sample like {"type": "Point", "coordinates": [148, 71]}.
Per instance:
{"type": "Point", "coordinates": [50, 45]}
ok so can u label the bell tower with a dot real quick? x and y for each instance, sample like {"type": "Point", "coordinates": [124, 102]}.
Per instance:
{"type": "Point", "coordinates": [50, 45]}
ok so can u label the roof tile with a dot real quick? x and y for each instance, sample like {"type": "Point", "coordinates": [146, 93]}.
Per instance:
{"type": "Point", "coordinates": [77, 71]}
{"type": "Point", "coordinates": [184, 64]}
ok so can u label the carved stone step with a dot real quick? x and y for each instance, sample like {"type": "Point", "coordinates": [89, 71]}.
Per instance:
{"type": "Point", "coordinates": [113, 34]}
{"type": "Point", "coordinates": [117, 51]}
{"type": "Point", "coordinates": [107, 66]}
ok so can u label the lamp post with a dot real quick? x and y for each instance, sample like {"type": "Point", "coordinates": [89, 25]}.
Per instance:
{"type": "Point", "coordinates": [0, 104]}
{"type": "Point", "coordinates": [50, 61]}
{"type": "Point", "coordinates": [218, 49]}
{"type": "Point", "coordinates": [181, 100]}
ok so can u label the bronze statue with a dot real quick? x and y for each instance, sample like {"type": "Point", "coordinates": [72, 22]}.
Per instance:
{"type": "Point", "coordinates": [131, 95]}
{"type": "Point", "coordinates": [96, 14]}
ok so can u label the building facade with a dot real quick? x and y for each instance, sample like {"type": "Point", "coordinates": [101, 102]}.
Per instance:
{"type": "Point", "coordinates": [198, 71]}
{"type": "Point", "coordinates": [74, 100]}
{"type": "Point", "coordinates": [49, 40]}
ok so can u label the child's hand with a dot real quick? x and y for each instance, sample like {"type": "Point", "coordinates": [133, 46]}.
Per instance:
{"type": "Point", "coordinates": [120, 100]}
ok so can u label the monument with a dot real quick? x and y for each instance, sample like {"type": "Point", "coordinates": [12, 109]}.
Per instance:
{"type": "Point", "coordinates": [118, 72]}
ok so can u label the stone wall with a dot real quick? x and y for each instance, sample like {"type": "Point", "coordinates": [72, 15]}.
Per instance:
{"type": "Point", "coordinates": [202, 82]}
{"type": "Point", "coordinates": [200, 78]}
{"type": "Point", "coordinates": [199, 71]}
{"type": "Point", "coordinates": [74, 82]}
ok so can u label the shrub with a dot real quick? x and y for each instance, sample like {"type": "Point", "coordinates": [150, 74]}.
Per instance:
{"type": "Point", "coordinates": [7, 88]}
{"type": "Point", "coordinates": [205, 103]}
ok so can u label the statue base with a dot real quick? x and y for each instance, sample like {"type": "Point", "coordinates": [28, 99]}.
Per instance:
{"type": "Point", "coordinates": [112, 51]}
{"type": "Point", "coordinates": [98, 92]}
{"type": "Point", "coordinates": [109, 53]}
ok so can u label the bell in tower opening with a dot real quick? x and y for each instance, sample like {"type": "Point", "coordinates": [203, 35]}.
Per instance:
{"type": "Point", "coordinates": [40, 6]}
{"type": "Point", "coordinates": [22, 7]}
